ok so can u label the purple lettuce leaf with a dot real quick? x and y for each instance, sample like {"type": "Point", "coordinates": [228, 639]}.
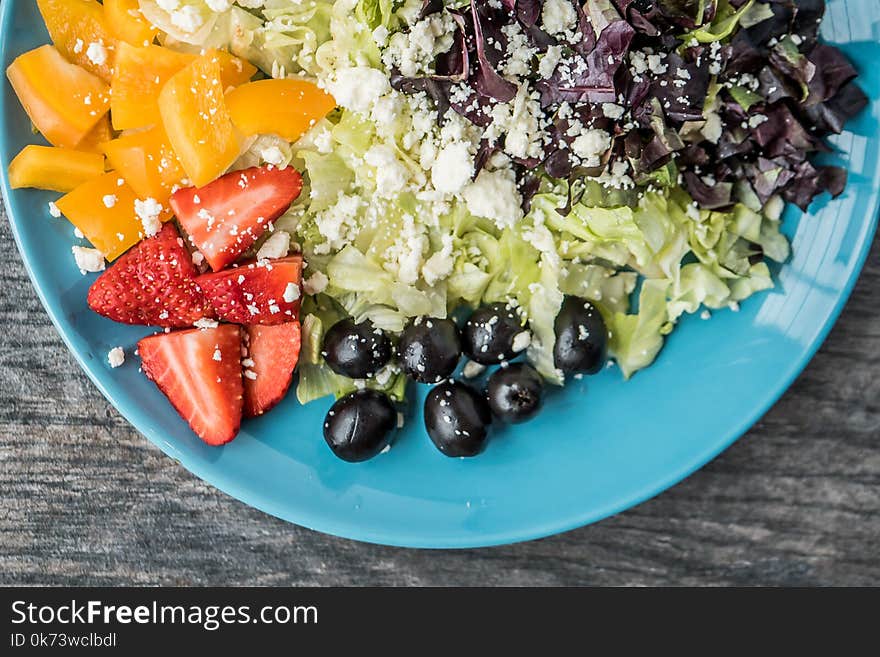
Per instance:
{"type": "Point", "coordinates": [487, 80]}
{"type": "Point", "coordinates": [832, 71]}
{"type": "Point", "coordinates": [710, 197]}
{"type": "Point", "coordinates": [590, 78]}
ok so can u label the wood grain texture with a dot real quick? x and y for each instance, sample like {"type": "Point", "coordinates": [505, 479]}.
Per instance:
{"type": "Point", "coordinates": [87, 500]}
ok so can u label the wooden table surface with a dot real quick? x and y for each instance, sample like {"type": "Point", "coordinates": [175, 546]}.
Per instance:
{"type": "Point", "coordinates": [88, 501]}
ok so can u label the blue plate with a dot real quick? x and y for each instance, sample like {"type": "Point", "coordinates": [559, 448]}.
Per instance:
{"type": "Point", "coordinates": [600, 446]}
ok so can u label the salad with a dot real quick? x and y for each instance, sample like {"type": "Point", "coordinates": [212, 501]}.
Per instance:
{"type": "Point", "coordinates": [487, 197]}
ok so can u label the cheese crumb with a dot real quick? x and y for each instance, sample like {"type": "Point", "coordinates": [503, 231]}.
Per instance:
{"type": "Point", "coordinates": [521, 341]}
{"type": "Point", "coordinates": [315, 284]}
{"type": "Point", "coordinates": [110, 200]}
{"type": "Point", "coordinates": [148, 212]}
{"type": "Point", "coordinates": [291, 293]}
{"type": "Point", "coordinates": [97, 53]}
{"type": "Point", "coordinates": [116, 357]}
{"type": "Point", "coordinates": [205, 323]}
{"type": "Point", "coordinates": [276, 246]}
{"type": "Point", "coordinates": [590, 145]}
{"type": "Point", "coordinates": [218, 6]}
{"type": "Point", "coordinates": [359, 87]}
{"type": "Point", "coordinates": [187, 18]}
{"type": "Point", "coordinates": [453, 168]}
{"type": "Point", "coordinates": [472, 369]}
{"type": "Point", "coordinates": [88, 260]}
{"type": "Point", "coordinates": [558, 16]}
{"type": "Point", "coordinates": [53, 210]}
{"type": "Point", "coordinates": [273, 156]}
{"type": "Point", "coordinates": [391, 174]}
{"type": "Point", "coordinates": [494, 195]}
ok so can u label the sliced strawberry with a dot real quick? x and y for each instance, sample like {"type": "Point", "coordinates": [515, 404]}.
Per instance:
{"type": "Point", "coordinates": [153, 284]}
{"type": "Point", "coordinates": [272, 353]}
{"type": "Point", "coordinates": [264, 292]}
{"type": "Point", "coordinates": [199, 370]}
{"type": "Point", "coordinates": [225, 217]}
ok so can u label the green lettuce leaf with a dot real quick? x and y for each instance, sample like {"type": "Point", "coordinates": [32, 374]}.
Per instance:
{"type": "Point", "coordinates": [637, 339]}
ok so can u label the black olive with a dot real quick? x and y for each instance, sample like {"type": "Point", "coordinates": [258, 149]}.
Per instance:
{"type": "Point", "coordinates": [457, 418]}
{"type": "Point", "coordinates": [429, 349]}
{"type": "Point", "coordinates": [581, 337]}
{"type": "Point", "coordinates": [359, 425]}
{"type": "Point", "coordinates": [494, 333]}
{"type": "Point", "coordinates": [643, 6]}
{"type": "Point", "coordinates": [515, 392]}
{"type": "Point", "coordinates": [357, 351]}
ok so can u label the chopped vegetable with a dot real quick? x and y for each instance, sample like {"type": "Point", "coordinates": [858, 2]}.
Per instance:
{"type": "Point", "coordinates": [56, 169]}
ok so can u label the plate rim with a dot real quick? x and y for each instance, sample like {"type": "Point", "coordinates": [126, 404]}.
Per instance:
{"type": "Point", "coordinates": [250, 497]}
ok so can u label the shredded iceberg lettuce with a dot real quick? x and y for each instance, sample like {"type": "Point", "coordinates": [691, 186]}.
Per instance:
{"type": "Point", "coordinates": [383, 216]}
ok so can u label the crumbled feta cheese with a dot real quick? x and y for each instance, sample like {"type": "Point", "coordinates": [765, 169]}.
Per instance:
{"type": "Point", "coordinates": [558, 16]}
{"type": "Point", "coordinates": [391, 174]}
{"type": "Point", "coordinates": [77, 233]}
{"type": "Point", "coordinates": [338, 223]}
{"type": "Point", "coordinates": [404, 257]}
{"type": "Point", "coordinates": [383, 376]}
{"type": "Point", "coordinates": [272, 155]}
{"type": "Point", "coordinates": [439, 265]}
{"type": "Point", "coordinates": [494, 195]}
{"type": "Point", "coordinates": [218, 355]}
{"type": "Point", "coordinates": [291, 293]}
{"type": "Point", "coordinates": [97, 53]}
{"type": "Point", "coordinates": [519, 55]}
{"type": "Point", "coordinates": [413, 52]}
{"type": "Point", "coordinates": [638, 62]}
{"type": "Point", "coordinates": [53, 210]}
{"type": "Point", "coordinates": [205, 323]}
{"type": "Point", "coordinates": [472, 369]}
{"type": "Point", "coordinates": [612, 110]}
{"type": "Point", "coordinates": [521, 341]}
{"type": "Point", "coordinates": [452, 168]}
{"type": "Point", "coordinates": [357, 88]}
{"type": "Point", "coordinates": [116, 357]}
{"type": "Point", "coordinates": [110, 200]}
{"type": "Point", "coordinates": [315, 284]}
{"type": "Point", "coordinates": [78, 46]}
{"type": "Point", "coordinates": [380, 35]}
{"type": "Point", "coordinates": [148, 212]}
{"type": "Point", "coordinates": [656, 64]}
{"type": "Point", "coordinates": [550, 61]}
{"type": "Point", "coordinates": [187, 18]}
{"type": "Point", "coordinates": [219, 6]}
{"type": "Point", "coordinates": [276, 246]}
{"type": "Point", "coordinates": [88, 260]}
{"type": "Point", "coordinates": [324, 141]}
{"type": "Point", "coordinates": [168, 5]}
{"type": "Point", "coordinates": [590, 145]}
